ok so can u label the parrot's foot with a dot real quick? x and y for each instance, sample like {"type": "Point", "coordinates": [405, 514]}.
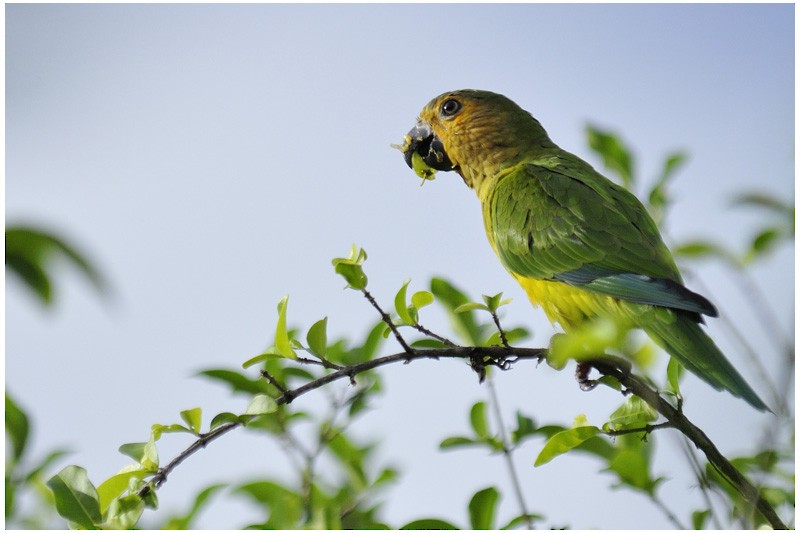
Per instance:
{"type": "Point", "coordinates": [582, 371]}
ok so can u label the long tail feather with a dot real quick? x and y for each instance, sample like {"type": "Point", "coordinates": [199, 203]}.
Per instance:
{"type": "Point", "coordinates": [688, 343]}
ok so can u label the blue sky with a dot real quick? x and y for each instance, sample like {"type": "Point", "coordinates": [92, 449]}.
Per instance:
{"type": "Point", "coordinates": [212, 158]}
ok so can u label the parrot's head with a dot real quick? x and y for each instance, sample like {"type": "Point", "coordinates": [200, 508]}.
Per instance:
{"type": "Point", "coordinates": [475, 133]}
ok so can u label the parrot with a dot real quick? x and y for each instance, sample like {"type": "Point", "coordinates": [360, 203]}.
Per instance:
{"type": "Point", "coordinates": [581, 246]}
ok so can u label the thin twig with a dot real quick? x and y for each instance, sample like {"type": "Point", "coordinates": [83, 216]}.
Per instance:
{"type": "Point", "coordinates": [503, 338]}
{"type": "Point", "coordinates": [508, 454]}
{"type": "Point", "coordinates": [274, 382]}
{"type": "Point", "coordinates": [388, 321]}
{"type": "Point", "coordinates": [428, 333]}
{"type": "Point", "coordinates": [649, 428]}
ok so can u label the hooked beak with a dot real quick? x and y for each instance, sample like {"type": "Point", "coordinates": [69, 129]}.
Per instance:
{"type": "Point", "coordinates": [423, 141]}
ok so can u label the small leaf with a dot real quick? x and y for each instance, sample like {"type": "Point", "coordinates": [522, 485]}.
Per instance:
{"type": "Point", "coordinates": [194, 418]}
{"type": "Point", "coordinates": [350, 268]}
{"type": "Point", "coordinates": [114, 486]}
{"type": "Point", "coordinates": [699, 249]}
{"type": "Point", "coordinates": [494, 302]}
{"type": "Point", "coordinates": [564, 441]}
{"type": "Point", "coordinates": [124, 513]}
{"type": "Point", "coordinates": [632, 468]}
{"type": "Point", "coordinates": [237, 381]}
{"type": "Point", "coordinates": [477, 417]}
{"type": "Point", "coordinates": [457, 442]}
{"type": "Point", "coordinates": [615, 155]}
{"type": "Point", "coordinates": [223, 418]}
{"type": "Point", "coordinates": [429, 523]}
{"type": "Point", "coordinates": [17, 427]}
{"type": "Point", "coordinates": [317, 337]}
{"type": "Point", "coordinates": [144, 453]}
{"type": "Point", "coordinates": [764, 242]}
{"type": "Point", "coordinates": [451, 298]}
{"type": "Point", "coordinates": [75, 497]}
{"type": "Point", "coordinates": [421, 298]}
{"type": "Point", "coordinates": [522, 519]}
{"type": "Point", "coordinates": [482, 508]}
{"type": "Point", "coordinates": [470, 306]}
{"type": "Point", "coordinates": [401, 306]}
{"type": "Point", "coordinates": [635, 412]}
{"type": "Point", "coordinates": [699, 519]}
{"type": "Point", "coordinates": [261, 404]}
{"type": "Point", "coordinates": [526, 427]}
{"type": "Point", "coordinates": [156, 430]}
{"type": "Point", "coordinates": [282, 344]}
{"type": "Point", "coordinates": [674, 373]}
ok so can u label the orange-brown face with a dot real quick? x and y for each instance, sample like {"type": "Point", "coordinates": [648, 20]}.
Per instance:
{"type": "Point", "coordinates": [470, 132]}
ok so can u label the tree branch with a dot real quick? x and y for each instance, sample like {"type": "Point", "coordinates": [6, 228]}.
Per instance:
{"type": "Point", "coordinates": [678, 420]}
{"type": "Point", "coordinates": [503, 357]}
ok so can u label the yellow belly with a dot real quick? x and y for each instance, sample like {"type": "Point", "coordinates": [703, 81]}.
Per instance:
{"type": "Point", "coordinates": [569, 306]}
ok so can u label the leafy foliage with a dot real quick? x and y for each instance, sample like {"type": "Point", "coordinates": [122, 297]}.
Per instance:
{"type": "Point", "coordinates": [348, 493]}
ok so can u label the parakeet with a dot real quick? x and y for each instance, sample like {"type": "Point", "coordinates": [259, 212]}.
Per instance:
{"type": "Point", "coordinates": [581, 246]}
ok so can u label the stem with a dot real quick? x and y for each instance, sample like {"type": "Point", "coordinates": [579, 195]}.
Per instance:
{"type": "Point", "coordinates": [508, 454]}
{"type": "Point", "coordinates": [388, 321]}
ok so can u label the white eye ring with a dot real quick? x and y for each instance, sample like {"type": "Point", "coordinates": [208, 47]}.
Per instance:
{"type": "Point", "coordinates": [450, 107]}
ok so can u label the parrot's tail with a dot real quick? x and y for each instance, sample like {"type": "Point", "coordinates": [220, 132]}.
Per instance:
{"type": "Point", "coordinates": [686, 341]}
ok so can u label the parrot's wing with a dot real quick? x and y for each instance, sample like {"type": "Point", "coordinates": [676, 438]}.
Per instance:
{"type": "Point", "coordinates": [570, 224]}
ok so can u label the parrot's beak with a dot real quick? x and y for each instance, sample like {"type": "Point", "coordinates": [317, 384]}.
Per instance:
{"type": "Point", "coordinates": [421, 140]}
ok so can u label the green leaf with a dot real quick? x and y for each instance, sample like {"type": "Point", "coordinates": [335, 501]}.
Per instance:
{"type": "Point", "coordinates": [144, 453]}
{"type": "Point", "coordinates": [285, 506]}
{"type": "Point", "coordinates": [238, 382]}
{"type": "Point", "coordinates": [451, 298]}
{"type": "Point", "coordinates": [317, 337]}
{"type": "Point", "coordinates": [634, 413]}
{"type": "Point", "coordinates": [674, 373]}
{"type": "Point", "coordinates": [699, 518]}
{"type": "Point", "coordinates": [429, 523]}
{"type": "Point", "coordinates": [477, 417]}
{"type": "Point", "coordinates": [158, 429]}
{"type": "Point", "coordinates": [114, 486]}
{"type": "Point", "coordinates": [194, 418]}
{"type": "Point", "coordinates": [764, 242]}
{"type": "Point", "coordinates": [482, 508]}
{"type": "Point", "coordinates": [352, 458]}
{"type": "Point", "coordinates": [470, 306]}
{"type": "Point", "coordinates": [401, 306]}
{"type": "Point", "coordinates": [564, 441]}
{"type": "Point", "coordinates": [75, 497]}
{"type": "Point", "coordinates": [456, 442]}
{"type": "Point", "coordinates": [223, 418]}
{"type": "Point", "coordinates": [17, 427]}
{"type": "Point", "coordinates": [520, 520]}
{"type": "Point", "coordinates": [350, 268]}
{"type": "Point", "coordinates": [421, 298]}
{"type": "Point", "coordinates": [124, 513]}
{"type": "Point", "coordinates": [526, 427]}
{"type": "Point", "coordinates": [261, 404]}
{"type": "Point", "coordinates": [615, 155]}
{"type": "Point", "coordinates": [30, 253]}
{"type": "Point", "coordinates": [700, 249]}
{"type": "Point", "coordinates": [493, 303]}
{"type": "Point", "coordinates": [632, 467]}
{"type": "Point", "coordinates": [282, 344]}
{"type": "Point", "coordinates": [758, 199]}
{"type": "Point", "coordinates": [658, 195]}
{"type": "Point", "coordinates": [200, 501]}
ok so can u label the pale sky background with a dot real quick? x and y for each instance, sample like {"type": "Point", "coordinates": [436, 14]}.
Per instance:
{"type": "Point", "coordinates": [211, 159]}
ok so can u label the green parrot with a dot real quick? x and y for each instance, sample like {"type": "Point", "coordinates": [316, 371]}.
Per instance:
{"type": "Point", "coordinates": [581, 246]}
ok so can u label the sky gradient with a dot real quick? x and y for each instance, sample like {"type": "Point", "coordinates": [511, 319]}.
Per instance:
{"type": "Point", "coordinates": [212, 158]}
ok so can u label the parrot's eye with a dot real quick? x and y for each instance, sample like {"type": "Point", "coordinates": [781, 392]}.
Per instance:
{"type": "Point", "coordinates": [450, 107]}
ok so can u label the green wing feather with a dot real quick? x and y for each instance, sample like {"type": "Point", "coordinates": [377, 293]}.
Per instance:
{"type": "Point", "coordinates": [558, 219]}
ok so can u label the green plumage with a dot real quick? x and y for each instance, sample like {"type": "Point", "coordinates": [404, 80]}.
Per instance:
{"type": "Point", "coordinates": [580, 245]}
